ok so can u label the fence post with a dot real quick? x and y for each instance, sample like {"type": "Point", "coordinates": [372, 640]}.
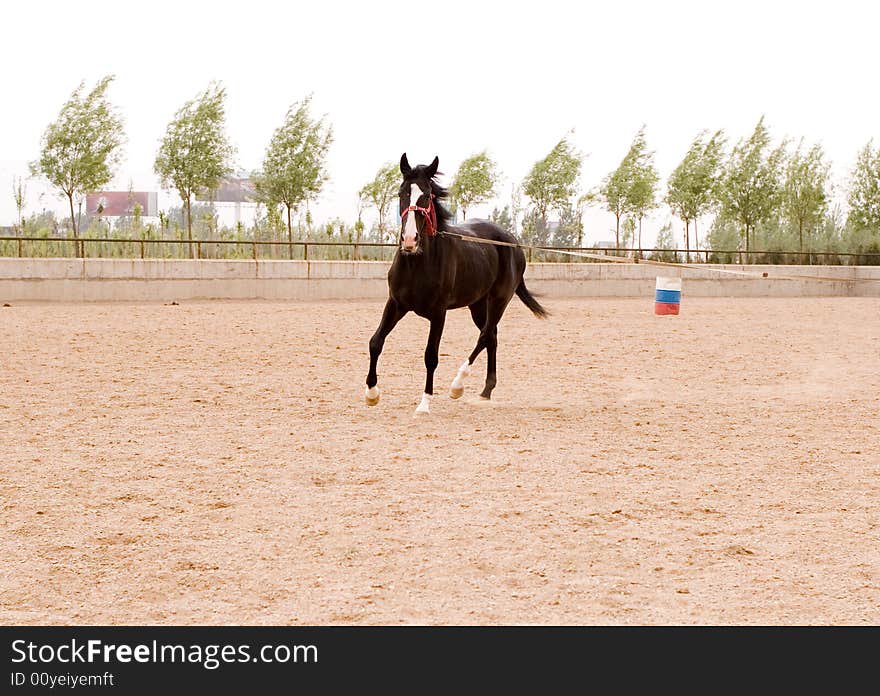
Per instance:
{"type": "Point", "coordinates": [254, 249]}
{"type": "Point", "coordinates": [142, 248]}
{"type": "Point", "coordinates": [19, 248]}
{"type": "Point", "coordinates": [306, 251]}
{"type": "Point", "coordinates": [199, 249]}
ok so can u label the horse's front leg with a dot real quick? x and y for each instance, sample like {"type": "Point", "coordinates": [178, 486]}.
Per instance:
{"type": "Point", "coordinates": [431, 359]}
{"type": "Point", "coordinates": [392, 314]}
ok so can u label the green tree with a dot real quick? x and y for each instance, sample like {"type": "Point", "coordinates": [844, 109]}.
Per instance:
{"type": "Point", "coordinates": [629, 231]}
{"type": "Point", "coordinates": [82, 148]}
{"type": "Point", "coordinates": [641, 197]}
{"type": "Point", "coordinates": [195, 154]}
{"type": "Point", "coordinates": [532, 232]}
{"type": "Point", "coordinates": [665, 244]}
{"type": "Point", "coordinates": [632, 187]}
{"type": "Point", "coordinates": [831, 231]}
{"type": "Point", "coordinates": [552, 183]}
{"type": "Point", "coordinates": [517, 206]}
{"type": "Point", "coordinates": [570, 232]}
{"type": "Point", "coordinates": [502, 218]}
{"type": "Point", "coordinates": [749, 186]}
{"type": "Point", "coordinates": [863, 195]}
{"type": "Point", "coordinates": [474, 182]}
{"type": "Point", "coordinates": [267, 226]}
{"type": "Point", "coordinates": [19, 195]}
{"type": "Point", "coordinates": [359, 225]}
{"type": "Point", "coordinates": [612, 193]}
{"type": "Point", "coordinates": [615, 191]}
{"type": "Point", "coordinates": [381, 192]}
{"type": "Point", "coordinates": [294, 168]}
{"type": "Point", "coordinates": [805, 189]}
{"type": "Point", "coordinates": [693, 183]}
{"type": "Point", "coordinates": [724, 235]}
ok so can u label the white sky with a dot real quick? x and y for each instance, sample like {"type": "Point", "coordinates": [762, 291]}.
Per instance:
{"type": "Point", "coordinates": [448, 78]}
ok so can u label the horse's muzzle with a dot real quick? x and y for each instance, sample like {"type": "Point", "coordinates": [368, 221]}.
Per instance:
{"type": "Point", "coordinates": [410, 244]}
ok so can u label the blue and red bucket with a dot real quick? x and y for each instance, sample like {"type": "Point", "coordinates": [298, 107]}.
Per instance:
{"type": "Point", "coordinates": [667, 296]}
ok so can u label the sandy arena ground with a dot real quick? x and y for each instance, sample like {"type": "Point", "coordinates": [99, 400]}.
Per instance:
{"type": "Point", "coordinates": [215, 463]}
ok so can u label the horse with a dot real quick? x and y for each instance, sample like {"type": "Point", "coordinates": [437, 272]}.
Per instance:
{"type": "Point", "coordinates": [435, 270]}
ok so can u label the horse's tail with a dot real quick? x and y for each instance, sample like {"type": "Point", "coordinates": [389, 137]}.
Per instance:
{"type": "Point", "coordinates": [522, 292]}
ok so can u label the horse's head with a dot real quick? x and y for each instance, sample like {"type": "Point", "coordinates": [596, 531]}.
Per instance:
{"type": "Point", "coordinates": [418, 210]}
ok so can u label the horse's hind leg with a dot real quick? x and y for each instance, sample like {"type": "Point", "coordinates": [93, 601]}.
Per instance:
{"type": "Point", "coordinates": [489, 336]}
{"type": "Point", "coordinates": [491, 341]}
{"type": "Point", "coordinates": [478, 314]}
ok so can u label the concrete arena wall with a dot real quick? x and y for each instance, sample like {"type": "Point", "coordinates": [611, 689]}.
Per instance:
{"type": "Point", "coordinates": [78, 280]}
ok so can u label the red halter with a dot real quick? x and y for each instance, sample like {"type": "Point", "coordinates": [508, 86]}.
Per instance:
{"type": "Point", "coordinates": [430, 216]}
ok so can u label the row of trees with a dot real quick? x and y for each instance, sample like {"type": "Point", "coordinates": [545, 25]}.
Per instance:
{"type": "Point", "coordinates": [82, 148]}
{"type": "Point", "coordinates": [756, 185]}
{"type": "Point", "coordinates": [752, 186]}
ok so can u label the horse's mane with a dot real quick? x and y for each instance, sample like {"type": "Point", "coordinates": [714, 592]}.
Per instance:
{"type": "Point", "coordinates": [440, 194]}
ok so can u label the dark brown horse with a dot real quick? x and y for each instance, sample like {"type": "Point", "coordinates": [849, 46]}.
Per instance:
{"type": "Point", "coordinates": [434, 271]}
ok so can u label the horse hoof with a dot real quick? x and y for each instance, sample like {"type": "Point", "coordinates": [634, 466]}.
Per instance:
{"type": "Point", "coordinates": [424, 406]}
{"type": "Point", "coordinates": [457, 387]}
{"type": "Point", "coordinates": [371, 396]}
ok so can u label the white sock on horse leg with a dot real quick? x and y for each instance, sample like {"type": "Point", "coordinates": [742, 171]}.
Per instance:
{"type": "Point", "coordinates": [458, 383]}
{"type": "Point", "coordinates": [371, 395]}
{"type": "Point", "coordinates": [425, 404]}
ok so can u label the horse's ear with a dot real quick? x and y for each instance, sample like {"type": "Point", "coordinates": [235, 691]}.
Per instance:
{"type": "Point", "coordinates": [432, 168]}
{"type": "Point", "coordinates": [405, 169]}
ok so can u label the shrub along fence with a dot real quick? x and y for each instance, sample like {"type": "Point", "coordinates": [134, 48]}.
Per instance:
{"type": "Point", "coordinates": [68, 247]}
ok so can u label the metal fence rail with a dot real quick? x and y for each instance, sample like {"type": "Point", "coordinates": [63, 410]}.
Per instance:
{"type": "Point", "coordinates": [89, 247]}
